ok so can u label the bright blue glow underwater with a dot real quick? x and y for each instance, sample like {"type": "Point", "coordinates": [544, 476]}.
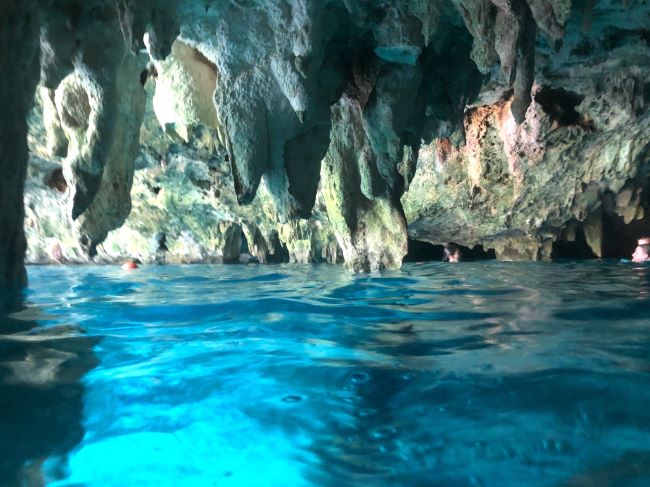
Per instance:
{"type": "Point", "coordinates": [472, 374]}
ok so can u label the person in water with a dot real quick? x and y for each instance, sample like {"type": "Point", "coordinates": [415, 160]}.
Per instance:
{"type": "Point", "coordinates": [161, 249]}
{"type": "Point", "coordinates": [130, 265]}
{"type": "Point", "coordinates": [642, 251]}
{"type": "Point", "coordinates": [452, 253]}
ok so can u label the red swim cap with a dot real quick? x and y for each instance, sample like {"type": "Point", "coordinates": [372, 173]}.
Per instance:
{"type": "Point", "coordinates": [129, 265]}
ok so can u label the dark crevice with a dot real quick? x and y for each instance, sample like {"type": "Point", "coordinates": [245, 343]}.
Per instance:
{"type": "Point", "coordinates": [55, 180]}
{"type": "Point", "coordinates": [420, 251]}
{"type": "Point", "coordinates": [477, 253]}
{"type": "Point", "coordinates": [143, 77]}
{"type": "Point", "coordinates": [619, 238]}
{"type": "Point", "coordinates": [278, 252]}
{"type": "Point", "coordinates": [576, 249]}
{"type": "Point", "coordinates": [560, 105]}
{"type": "Point", "coordinates": [616, 37]}
{"type": "Point", "coordinates": [244, 248]}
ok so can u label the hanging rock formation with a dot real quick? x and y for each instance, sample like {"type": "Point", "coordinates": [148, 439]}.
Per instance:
{"type": "Point", "coordinates": [581, 151]}
{"type": "Point", "coordinates": [88, 58]}
{"type": "Point", "coordinates": [100, 161]}
{"type": "Point", "coordinates": [509, 123]}
{"type": "Point", "coordinates": [370, 228]}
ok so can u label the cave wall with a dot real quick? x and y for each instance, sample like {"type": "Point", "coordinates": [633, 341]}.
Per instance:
{"type": "Point", "coordinates": [182, 187]}
{"type": "Point", "coordinates": [19, 64]}
{"type": "Point", "coordinates": [331, 129]}
{"type": "Point", "coordinates": [579, 154]}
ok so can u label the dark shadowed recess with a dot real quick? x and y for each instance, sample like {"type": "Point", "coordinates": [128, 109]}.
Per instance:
{"type": "Point", "coordinates": [278, 252]}
{"type": "Point", "coordinates": [620, 238]}
{"type": "Point", "coordinates": [577, 249]}
{"type": "Point", "coordinates": [421, 251]}
{"type": "Point", "coordinates": [41, 407]}
{"type": "Point", "coordinates": [560, 105]}
{"type": "Point", "coordinates": [55, 180]}
{"type": "Point", "coordinates": [244, 248]}
{"type": "Point", "coordinates": [477, 253]}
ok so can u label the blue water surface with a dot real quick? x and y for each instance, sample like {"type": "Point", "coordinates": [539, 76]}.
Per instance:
{"type": "Point", "coordinates": [475, 374]}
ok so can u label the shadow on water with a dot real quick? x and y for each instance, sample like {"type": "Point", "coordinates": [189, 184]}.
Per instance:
{"type": "Point", "coordinates": [41, 396]}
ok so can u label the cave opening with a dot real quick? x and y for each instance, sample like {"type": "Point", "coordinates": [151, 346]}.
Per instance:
{"type": "Point", "coordinates": [422, 251]}
{"type": "Point", "coordinates": [574, 248]}
{"type": "Point", "coordinates": [244, 248]}
{"type": "Point", "coordinates": [477, 253]}
{"type": "Point", "coordinates": [620, 234]}
{"type": "Point", "coordinates": [620, 238]}
{"type": "Point", "coordinates": [359, 122]}
{"type": "Point", "coordinates": [278, 251]}
{"type": "Point", "coordinates": [55, 180]}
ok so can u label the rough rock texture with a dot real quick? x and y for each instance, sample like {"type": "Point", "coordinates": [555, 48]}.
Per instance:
{"type": "Point", "coordinates": [511, 123]}
{"type": "Point", "coordinates": [19, 65]}
{"type": "Point", "coordinates": [88, 59]}
{"type": "Point", "coordinates": [370, 228]}
{"type": "Point", "coordinates": [185, 84]}
{"type": "Point", "coordinates": [276, 89]}
{"type": "Point", "coordinates": [100, 159]}
{"type": "Point", "coordinates": [89, 38]}
{"type": "Point", "coordinates": [582, 148]}
{"type": "Point", "coordinates": [181, 189]}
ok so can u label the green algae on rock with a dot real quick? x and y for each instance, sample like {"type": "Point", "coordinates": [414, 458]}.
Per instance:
{"type": "Point", "coordinates": [326, 131]}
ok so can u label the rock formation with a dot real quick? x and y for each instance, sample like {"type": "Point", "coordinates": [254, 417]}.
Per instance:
{"type": "Point", "coordinates": [580, 150]}
{"type": "Point", "coordinates": [318, 130]}
{"type": "Point", "coordinates": [19, 65]}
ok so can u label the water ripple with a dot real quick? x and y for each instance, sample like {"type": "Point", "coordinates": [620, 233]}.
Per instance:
{"type": "Point", "coordinates": [474, 374]}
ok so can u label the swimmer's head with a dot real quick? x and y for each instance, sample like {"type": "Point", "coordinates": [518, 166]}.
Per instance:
{"type": "Point", "coordinates": [642, 251]}
{"type": "Point", "coordinates": [452, 253]}
{"type": "Point", "coordinates": [130, 265]}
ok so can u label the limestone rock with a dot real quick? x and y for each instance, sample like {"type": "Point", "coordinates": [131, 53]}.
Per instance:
{"type": "Point", "coordinates": [185, 84]}
{"type": "Point", "coordinates": [518, 247]}
{"type": "Point", "coordinates": [559, 165]}
{"type": "Point", "coordinates": [370, 230]}
{"type": "Point", "coordinates": [185, 191]}
{"type": "Point", "coordinates": [109, 181]}
{"type": "Point", "coordinates": [19, 26]}
{"type": "Point", "coordinates": [311, 124]}
{"type": "Point", "coordinates": [593, 228]}
{"type": "Point", "coordinates": [57, 142]}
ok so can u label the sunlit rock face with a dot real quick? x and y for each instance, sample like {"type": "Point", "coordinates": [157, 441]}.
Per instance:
{"type": "Point", "coordinates": [88, 61]}
{"type": "Point", "coordinates": [182, 189]}
{"type": "Point", "coordinates": [326, 130]}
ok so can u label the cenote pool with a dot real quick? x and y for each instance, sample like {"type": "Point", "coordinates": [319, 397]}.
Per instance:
{"type": "Point", "coordinates": [477, 374]}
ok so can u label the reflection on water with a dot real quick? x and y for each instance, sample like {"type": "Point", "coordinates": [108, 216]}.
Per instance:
{"type": "Point", "coordinates": [472, 374]}
{"type": "Point", "coordinates": [41, 396]}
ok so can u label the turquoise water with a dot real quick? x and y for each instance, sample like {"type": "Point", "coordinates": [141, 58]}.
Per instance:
{"type": "Point", "coordinates": [477, 374]}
